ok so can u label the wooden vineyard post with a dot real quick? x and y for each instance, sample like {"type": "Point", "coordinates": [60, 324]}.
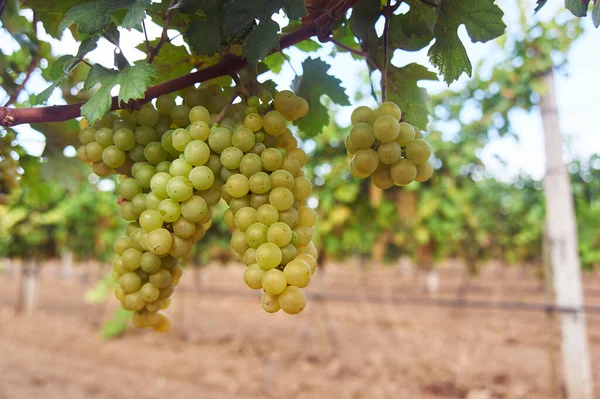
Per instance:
{"type": "Point", "coordinates": [564, 256]}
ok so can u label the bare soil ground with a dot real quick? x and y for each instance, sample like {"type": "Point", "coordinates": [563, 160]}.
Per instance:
{"type": "Point", "coordinates": [224, 346]}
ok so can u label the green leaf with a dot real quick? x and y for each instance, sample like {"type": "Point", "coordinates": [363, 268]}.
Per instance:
{"type": "Point", "coordinates": [577, 7]}
{"type": "Point", "coordinates": [117, 325]}
{"type": "Point", "coordinates": [134, 80]}
{"type": "Point", "coordinates": [94, 16]}
{"type": "Point", "coordinates": [99, 104]}
{"type": "Point", "coordinates": [205, 35]}
{"type": "Point", "coordinates": [410, 31]}
{"type": "Point", "coordinates": [362, 22]}
{"type": "Point", "coordinates": [483, 20]}
{"type": "Point", "coordinates": [57, 6]}
{"type": "Point", "coordinates": [596, 14]}
{"type": "Point", "coordinates": [308, 45]}
{"type": "Point", "coordinates": [314, 83]}
{"type": "Point", "coordinates": [44, 95]}
{"type": "Point", "coordinates": [171, 62]}
{"type": "Point", "coordinates": [261, 41]}
{"type": "Point", "coordinates": [403, 90]}
{"type": "Point", "coordinates": [274, 62]}
{"type": "Point", "coordinates": [423, 12]}
{"type": "Point", "coordinates": [61, 66]}
{"type": "Point", "coordinates": [136, 14]}
{"type": "Point", "coordinates": [98, 74]}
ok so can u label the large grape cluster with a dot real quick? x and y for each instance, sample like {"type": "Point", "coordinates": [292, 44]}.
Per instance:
{"type": "Point", "coordinates": [9, 175]}
{"type": "Point", "coordinates": [391, 152]}
{"type": "Point", "coordinates": [175, 163]}
{"type": "Point", "coordinates": [266, 191]}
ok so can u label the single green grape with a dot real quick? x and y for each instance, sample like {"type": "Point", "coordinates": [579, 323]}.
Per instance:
{"type": "Point", "coordinates": [297, 273]}
{"type": "Point", "coordinates": [382, 177]}
{"type": "Point", "coordinates": [148, 116]}
{"type": "Point", "coordinates": [253, 276]}
{"type": "Point", "coordinates": [165, 103]}
{"type": "Point", "coordinates": [424, 172]}
{"type": "Point", "coordinates": [389, 152]}
{"type": "Point", "coordinates": [180, 115]}
{"type": "Point", "coordinates": [256, 234]}
{"type": "Point", "coordinates": [302, 188]}
{"type": "Point", "coordinates": [273, 281]}
{"type": "Point", "coordinates": [195, 209]}
{"type": "Point", "coordinates": [289, 217]}
{"type": "Point", "coordinates": [159, 241]}
{"type": "Point", "coordinates": [113, 157]}
{"type": "Point", "coordinates": [199, 130]}
{"type": "Point", "coordinates": [180, 167]}
{"type": "Point", "coordinates": [366, 161]}
{"type": "Point", "coordinates": [155, 153]}
{"type": "Point", "coordinates": [169, 210]}
{"type": "Point", "coordinates": [274, 123]}
{"type": "Point", "coordinates": [150, 220]}
{"type": "Point", "coordinates": [179, 188]}
{"type": "Point", "coordinates": [150, 263]}
{"type": "Point", "coordinates": [183, 227]}
{"type": "Point", "coordinates": [219, 139]}
{"type": "Point", "coordinates": [418, 151]}
{"type": "Point", "coordinates": [197, 153]}
{"type": "Point", "coordinates": [270, 303]}
{"type": "Point", "coordinates": [281, 198]}
{"type": "Point", "coordinates": [180, 138]}
{"type": "Point", "coordinates": [361, 136]}
{"type": "Point", "coordinates": [292, 300]}
{"type": "Point", "coordinates": [403, 172]}
{"type": "Point", "coordinates": [250, 165]}
{"type": "Point", "coordinates": [237, 185]}
{"type": "Point", "coordinates": [406, 135]}
{"type": "Point", "coordinates": [231, 157]}
{"type": "Point", "coordinates": [362, 114]}
{"type": "Point", "coordinates": [245, 217]}
{"type": "Point", "coordinates": [129, 188]}
{"type": "Point", "coordinates": [124, 139]}
{"type": "Point", "coordinates": [268, 256]}
{"type": "Point", "coordinates": [104, 137]}
{"type": "Point", "coordinates": [389, 108]}
{"type": "Point", "coordinates": [307, 216]}
{"type": "Point", "coordinates": [243, 138]}
{"type": "Point", "coordinates": [144, 135]}
{"type": "Point", "coordinates": [282, 178]}
{"type": "Point", "coordinates": [201, 177]}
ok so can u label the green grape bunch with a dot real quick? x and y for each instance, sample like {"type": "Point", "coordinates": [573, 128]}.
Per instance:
{"type": "Point", "coordinates": [176, 162]}
{"type": "Point", "coordinates": [386, 149]}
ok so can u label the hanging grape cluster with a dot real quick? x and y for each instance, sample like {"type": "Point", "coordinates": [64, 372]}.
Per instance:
{"type": "Point", "coordinates": [176, 162]}
{"type": "Point", "coordinates": [9, 175]}
{"type": "Point", "coordinates": [391, 152]}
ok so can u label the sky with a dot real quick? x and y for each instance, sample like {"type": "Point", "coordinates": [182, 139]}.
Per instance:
{"type": "Point", "coordinates": [577, 98]}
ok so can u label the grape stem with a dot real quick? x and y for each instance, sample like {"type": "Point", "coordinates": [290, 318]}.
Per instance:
{"type": "Point", "coordinates": [163, 37]}
{"type": "Point", "coordinates": [221, 115]}
{"type": "Point", "coordinates": [59, 113]}
{"type": "Point", "coordinates": [360, 53]}
{"type": "Point", "coordinates": [387, 13]}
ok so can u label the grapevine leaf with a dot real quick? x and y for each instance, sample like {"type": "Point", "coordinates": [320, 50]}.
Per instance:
{"type": "Point", "coordinates": [483, 20]}
{"type": "Point", "coordinates": [94, 16]}
{"type": "Point", "coordinates": [171, 62]}
{"type": "Point", "coordinates": [204, 35]}
{"type": "Point", "coordinates": [410, 31]}
{"type": "Point", "coordinates": [98, 74]}
{"type": "Point", "coordinates": [403, 90]}
{"type": "Point", "coordinates": [308, 45]}
{"type": "Point", "coordinates": [99, 104]}
{"type": "Point", "coordinates": [44, 95]}
{"type": "Point", "coordinates": [136, 14]}
{"type": "Point", "coordinates": [314, 83]}
{"type": "Point", "coordinates": [260, 41]}
{"type": "Point", "coordinates": [57, 6]}
{"type": "Point", "coordinates": [362, 22]}
{"type": "Point", "coordinates": [239, 15]}
{"type": "Point", "coordinates": [540, 4]}
{"type": "Point", "coordinates": [596, 14]}
{"type": "Point", "coordinates": [60, 66]}
{"type": "Point", "coordinates": [577, 7]}
{"type": "Point", "coordinates": [134, 80]}
{"type": "Point", "coordinates": [274, 62]}
{"type": "Point", "coordinates": [423, 12]}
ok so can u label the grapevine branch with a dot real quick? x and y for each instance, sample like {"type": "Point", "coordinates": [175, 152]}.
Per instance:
{"type": "Point", "coordinates": [163, 37]}
{"type": "Point", "coordinates": [386, 61]}
{"type": "Point", "coordinates": [59, 113]}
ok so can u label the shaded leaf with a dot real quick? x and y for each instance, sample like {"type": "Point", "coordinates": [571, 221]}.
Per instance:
{"type": "Point", "coordinates": [308, 45]}
{"type": "Point", "coordinates": [172, 61]}
{"type": "Point", "coordinates": [403, 90]}
{"type": "Point", "coordinates": [261, 41]}
{"type": "Point", "coordinates": [577, 7]}
{"type": "Point", "coordinates": [274, 62]}
{"type": "Point", "coordinates": [314, 83]}
{"type": "Point", "coordinates": [136, 14]}
{"type": "Point", "coordinates": [483, 20]}
{"type": "Point", "coordinates": [134, 80]}
{"type": "Point", "coordinates": [94, 16]}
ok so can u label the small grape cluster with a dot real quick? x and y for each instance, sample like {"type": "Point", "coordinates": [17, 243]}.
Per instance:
{"type": "Point", "coordinates": [176, 162]}
{"type": "Point", "coordinates": [9, 175]}
{"type": "Point", "coordinates": [267, 191]}
{"type": "Point", "coordinates": [391, 152]}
